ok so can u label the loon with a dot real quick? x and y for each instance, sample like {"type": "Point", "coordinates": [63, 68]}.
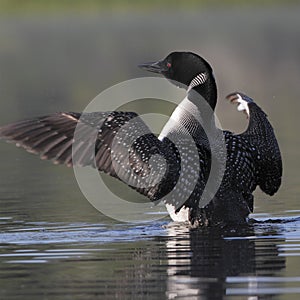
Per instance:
{"type": "Point", "coordinates": [252, 158]}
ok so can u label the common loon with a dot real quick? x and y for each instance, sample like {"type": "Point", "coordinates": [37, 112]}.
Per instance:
{"type": "Point", "coordinates": [252, 158]}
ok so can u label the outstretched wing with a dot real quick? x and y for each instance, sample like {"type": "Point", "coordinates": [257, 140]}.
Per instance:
{"type": "Point", "coordinates": [260, 134]}
{"type": "Point", "coordinates": [117, 143]}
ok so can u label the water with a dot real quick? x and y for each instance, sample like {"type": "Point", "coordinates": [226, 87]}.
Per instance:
{"type": "Point", "coordinates": [157, 261]}
{"type": "Point", "coordinates": [55, 245]}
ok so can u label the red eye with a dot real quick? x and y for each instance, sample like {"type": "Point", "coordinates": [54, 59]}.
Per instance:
{"type": "Point", "coordinates": [169, 65]}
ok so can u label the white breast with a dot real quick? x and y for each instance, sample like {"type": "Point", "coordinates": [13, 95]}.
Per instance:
{"type": "Point", "coordinates": [181, 216]}
{"type": "Point", "coordinates": [184, 106]}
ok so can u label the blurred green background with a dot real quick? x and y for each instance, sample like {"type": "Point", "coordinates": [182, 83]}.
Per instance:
{"type": "Point", "coordinates": [59, 55]}
{"type": "Point", "coordinates": [98, 5]}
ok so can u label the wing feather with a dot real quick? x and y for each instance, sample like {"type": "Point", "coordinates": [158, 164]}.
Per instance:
{"type": "Point", "coordinates": [117, 143]}
{"type": "Point", "coordinates": [264, 146]}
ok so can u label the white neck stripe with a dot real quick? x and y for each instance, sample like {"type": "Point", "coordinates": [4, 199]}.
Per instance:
{"type": "Point", "coordinates": [199, 79]}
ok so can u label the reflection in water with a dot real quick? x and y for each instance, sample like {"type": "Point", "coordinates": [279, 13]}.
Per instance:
{"type": "Point", "coordinates": [202, 264]}
{"type": "Point", "coordinates": [147, 261]}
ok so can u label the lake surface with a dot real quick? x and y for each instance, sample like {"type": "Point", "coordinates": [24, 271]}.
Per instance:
{"type": "Point", "coordinates": [89, 260]}
{"type": "Point", "coordinates": [55, 245]}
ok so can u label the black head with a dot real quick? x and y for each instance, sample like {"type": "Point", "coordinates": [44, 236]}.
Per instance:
{"type": "Point", "coordinates": [187, 70]}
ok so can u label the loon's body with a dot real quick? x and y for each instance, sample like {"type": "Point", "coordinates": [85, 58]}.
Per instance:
{"type": "Point", "coordinates": [189, 148]}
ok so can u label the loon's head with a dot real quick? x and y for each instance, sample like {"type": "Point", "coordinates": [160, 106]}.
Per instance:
{"type": "Point", "coordinates": [187, 70]}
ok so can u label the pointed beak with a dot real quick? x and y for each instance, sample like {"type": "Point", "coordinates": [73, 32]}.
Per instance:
{"type": "Point", "coordinates": [154, 67]}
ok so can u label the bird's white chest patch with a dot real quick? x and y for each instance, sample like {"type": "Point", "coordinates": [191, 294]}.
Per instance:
{"type": "Point", "coordinates": [181, 216]}
{"type": "Point", "coordinates": [185, 106]}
